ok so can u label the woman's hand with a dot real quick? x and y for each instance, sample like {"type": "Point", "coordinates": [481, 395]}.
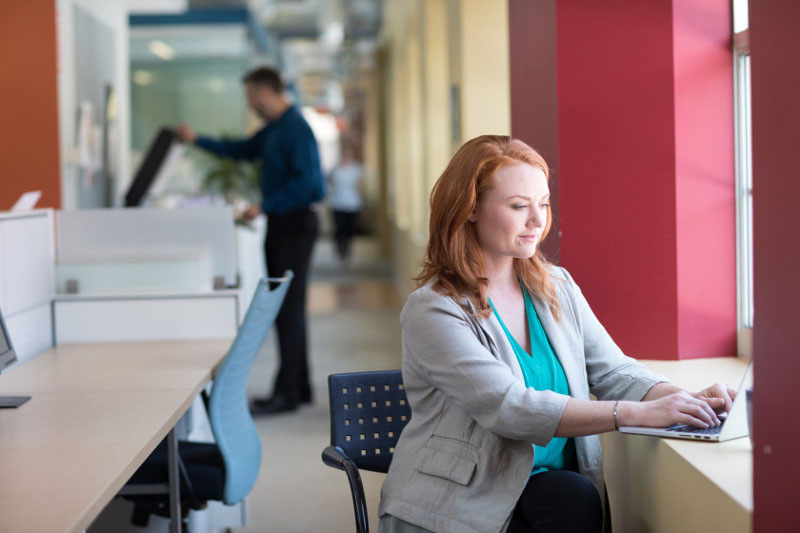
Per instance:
{"type": "Point", "coordinates": [676, 408]}
{"type": "Point", "coordinates": [716, 392]}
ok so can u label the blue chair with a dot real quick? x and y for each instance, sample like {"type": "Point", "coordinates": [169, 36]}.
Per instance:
{"type": "Point", "coordinates": [226, 470]}
{"type": "Point", "coordinates": [368, 412]}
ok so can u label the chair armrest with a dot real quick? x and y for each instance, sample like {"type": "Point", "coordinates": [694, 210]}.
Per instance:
{"type": "Point", "coordinates": [335, 457]}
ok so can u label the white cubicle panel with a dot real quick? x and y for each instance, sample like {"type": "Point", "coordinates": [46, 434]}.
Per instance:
{"type": "Point", "coordinates": [146, 318]}
{"type": "Point", "coordinates": [27, 261]}
{"type": "Point", "coordinates": [31, 331]}
{"type": "Point", "coordinates": [172, 269]}
{"type": "Point", "coordinates": [118, 238]}
{"type": "Point", "coordinates": [26, 279]}
{"type": "Point", "coordinates": [2, 271]}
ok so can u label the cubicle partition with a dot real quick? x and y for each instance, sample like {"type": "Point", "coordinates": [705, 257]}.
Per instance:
{"type": "Point", "coordinates": [26, 279]}
{"type": "Point", "coordinates": [145, 274]}
{"type": "Point", "coordinates": [121, 275]}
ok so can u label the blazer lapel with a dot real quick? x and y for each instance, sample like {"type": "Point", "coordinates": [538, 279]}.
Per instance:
{"type": "Point", "coordinates": [498, 340]}
{"type": "Point", "coordinates": [571, 362]}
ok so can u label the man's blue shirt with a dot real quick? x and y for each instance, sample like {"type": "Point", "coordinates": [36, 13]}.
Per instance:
{"type": "Point", "coordinates": [291, 176]}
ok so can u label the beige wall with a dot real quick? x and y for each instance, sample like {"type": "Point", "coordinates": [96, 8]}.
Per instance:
{"type": "Point", "coordinates": [434, 48]}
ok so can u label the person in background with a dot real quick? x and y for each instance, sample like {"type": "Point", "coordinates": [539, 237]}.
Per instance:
{"type": "Point", "coordinates": [344, 199]}
{"type": "Point", "coordinates": [291, 181]}
{"type": "Point", "coordinates": [500, 354]}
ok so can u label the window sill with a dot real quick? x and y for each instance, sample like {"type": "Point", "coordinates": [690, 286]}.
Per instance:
{"type": "Point", "coordinates": [661, 484]}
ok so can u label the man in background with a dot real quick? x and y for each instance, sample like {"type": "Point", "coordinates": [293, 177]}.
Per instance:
{"type": "Point", "coordinates": [291, 180]}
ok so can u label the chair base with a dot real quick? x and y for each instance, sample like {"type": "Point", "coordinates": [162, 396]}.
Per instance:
{"type": "Point", "coordinates": [205, 469]}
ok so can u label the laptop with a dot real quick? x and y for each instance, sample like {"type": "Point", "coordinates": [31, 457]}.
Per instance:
{"type": "Point", "coordinates": [161, 157]}
{"type": "Point", "coordinates": [733, 426]}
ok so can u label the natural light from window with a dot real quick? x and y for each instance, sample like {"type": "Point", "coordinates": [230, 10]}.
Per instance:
{"type": "Point", "coordinates": [744, 176]}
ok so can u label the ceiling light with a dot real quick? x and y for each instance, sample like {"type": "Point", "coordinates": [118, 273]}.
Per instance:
{"type": "Point", "coordinates": [161, 49]}
{"type": "Point", "coordinates": [333, 36]}
{"type": "Point", "coordinates": [142, 77]}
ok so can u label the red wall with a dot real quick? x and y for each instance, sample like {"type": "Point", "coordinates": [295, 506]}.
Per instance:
{"type": "Point", "coordinates": [646, 170]}
{"type": "Point", "coordinates": [534, 93]}
{"type": "Point", "coordinates": [775, 45]}
{"type": "Point", "coordinates": [29, 102]}
{"type": "Point", "coordinates": [705, 203]}
{"type": "Point", "coordinates": [617, 156]}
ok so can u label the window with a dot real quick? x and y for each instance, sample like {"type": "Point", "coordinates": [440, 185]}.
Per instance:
{"type": "Point", "coordinates": [744, 177]}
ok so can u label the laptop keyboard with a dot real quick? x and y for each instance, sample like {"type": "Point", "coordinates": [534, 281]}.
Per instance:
{"type": "Point", "coordinates": [694, 430]}
{"type": "Point", "coordinates": [681, 428]}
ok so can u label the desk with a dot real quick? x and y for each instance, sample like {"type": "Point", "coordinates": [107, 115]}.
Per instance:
{"type": "Point", "coordinates": [665, 485]}
{"type": "Point", "coordinates": [97, 412]}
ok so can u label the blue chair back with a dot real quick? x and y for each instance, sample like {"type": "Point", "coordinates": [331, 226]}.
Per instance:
{"type": "Point", "coordinates": [231, 422]}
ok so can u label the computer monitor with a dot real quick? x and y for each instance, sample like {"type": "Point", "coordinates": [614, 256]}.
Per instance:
{"type": "Point", "coordinates": [8, 356]}
{"type": "Point", "coordinates": [163, 153]}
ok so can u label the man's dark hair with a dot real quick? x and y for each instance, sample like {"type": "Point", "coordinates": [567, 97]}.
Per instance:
{"type": "Point", "coordinates": [265, 76]}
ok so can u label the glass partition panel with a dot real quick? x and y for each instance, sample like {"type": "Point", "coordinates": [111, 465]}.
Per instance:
{"type": "Point", "coordinates": [145, 250]}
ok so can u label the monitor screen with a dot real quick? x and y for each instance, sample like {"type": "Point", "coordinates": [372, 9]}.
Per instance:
{"type": "Point", "coordinates": [162, 154]}
{"type": "Point", "coordinates": [7, 355]}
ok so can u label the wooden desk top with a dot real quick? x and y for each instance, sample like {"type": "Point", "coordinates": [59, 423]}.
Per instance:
{"type": "Point", "coordinates": [116, 367]}
{"type": "Point", "coordinates": [97, 412]}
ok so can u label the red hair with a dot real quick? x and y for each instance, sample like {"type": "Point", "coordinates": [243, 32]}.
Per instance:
{"type": "Point", "coordinates": [453, 256]}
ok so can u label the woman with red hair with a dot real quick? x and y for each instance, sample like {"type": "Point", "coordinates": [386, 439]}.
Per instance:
{"type": "Point", "coordinates": [500, 354]}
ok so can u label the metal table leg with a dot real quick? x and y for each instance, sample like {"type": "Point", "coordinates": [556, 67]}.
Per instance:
{"type": "Point", "coordinates": [176, 521]}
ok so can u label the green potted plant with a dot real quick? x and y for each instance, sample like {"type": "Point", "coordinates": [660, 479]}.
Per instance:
{"type": "Point", "coordinates": [233, 179]}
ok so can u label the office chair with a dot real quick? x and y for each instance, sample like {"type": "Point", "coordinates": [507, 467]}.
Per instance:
{"type": "Point", "coordinates": [368, 412]}
{"type": "Point", "coordinates": [227, 469]}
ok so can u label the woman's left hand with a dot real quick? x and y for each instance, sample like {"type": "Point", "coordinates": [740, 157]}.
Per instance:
{"type": "Point", "coordinates": [718, 390]}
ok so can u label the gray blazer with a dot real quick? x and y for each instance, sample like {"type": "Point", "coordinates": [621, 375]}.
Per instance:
{"type": "Point", "coordinates": [465, 456]}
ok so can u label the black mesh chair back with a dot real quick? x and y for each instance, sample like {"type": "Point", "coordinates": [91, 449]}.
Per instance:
{"type": "Point", "coordinates": [368, 412]}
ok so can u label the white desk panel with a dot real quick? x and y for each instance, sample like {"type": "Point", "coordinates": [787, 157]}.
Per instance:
{"type": "Point", "coordinates": [2, 270]}
{"type": "Point", "coordinates": [139, 319]}
{"type": "Point", "coordinates": [28, 262]}
{"type": "Point", "coordinates": [31, 331]}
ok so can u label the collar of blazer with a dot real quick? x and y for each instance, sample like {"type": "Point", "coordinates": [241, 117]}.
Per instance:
{"type": "Point", "coordinates": [494, 338]}
{"type": "Point", "coordinates": [557, 334]}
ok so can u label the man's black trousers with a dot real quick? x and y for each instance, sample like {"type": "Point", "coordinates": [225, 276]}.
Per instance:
{"type": "Point", "coordinates": [290, 240]}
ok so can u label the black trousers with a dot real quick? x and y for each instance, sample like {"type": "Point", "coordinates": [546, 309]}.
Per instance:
{"type": "Point", "coordinates": [559, 501]}
{"type": "Point", "coordinates": [345, 224]}
{"type": "Point", "coordinates": [290, 240]}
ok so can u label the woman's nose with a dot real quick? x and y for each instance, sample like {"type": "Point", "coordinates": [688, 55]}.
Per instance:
{"type": "Point", "coordinates": [537, 219]}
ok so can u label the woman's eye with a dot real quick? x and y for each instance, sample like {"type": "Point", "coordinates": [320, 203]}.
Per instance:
{"type": "Point", "coordinates": [545, 206]}
{"type": "Point", "coordinates": [520, 206]}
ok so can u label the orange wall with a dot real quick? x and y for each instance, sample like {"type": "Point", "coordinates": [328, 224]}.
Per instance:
{"type": "Point", "coordinates": [28, 102]}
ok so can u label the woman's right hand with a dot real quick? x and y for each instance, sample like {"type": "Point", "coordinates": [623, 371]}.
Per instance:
{"type": "Point", "coordinates": [677, 408]}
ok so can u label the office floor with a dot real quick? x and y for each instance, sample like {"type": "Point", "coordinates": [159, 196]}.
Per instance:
{"type": "Point", "coordinates": [353, 325]}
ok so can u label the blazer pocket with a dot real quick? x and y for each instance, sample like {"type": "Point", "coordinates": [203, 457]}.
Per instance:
{"type": "Point", "coordinates": [454, 461]}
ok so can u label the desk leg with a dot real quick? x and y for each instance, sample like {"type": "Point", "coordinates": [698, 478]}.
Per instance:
{"type": "Point", "coordinates": [176, 522]}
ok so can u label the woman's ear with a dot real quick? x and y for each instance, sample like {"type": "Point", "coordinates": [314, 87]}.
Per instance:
{"type": "Point", "coordinates": [473, 216]}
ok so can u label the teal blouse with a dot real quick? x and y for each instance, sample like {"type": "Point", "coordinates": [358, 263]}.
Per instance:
{"type": "Point", "coordinates": [542, 371]}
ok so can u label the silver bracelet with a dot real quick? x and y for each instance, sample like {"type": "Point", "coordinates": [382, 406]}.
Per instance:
{"type": "Point", "coordinates": [616, 426]}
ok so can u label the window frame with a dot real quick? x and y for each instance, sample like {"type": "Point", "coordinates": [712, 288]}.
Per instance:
{"type": "Point", "coordinates": [744, 192]}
